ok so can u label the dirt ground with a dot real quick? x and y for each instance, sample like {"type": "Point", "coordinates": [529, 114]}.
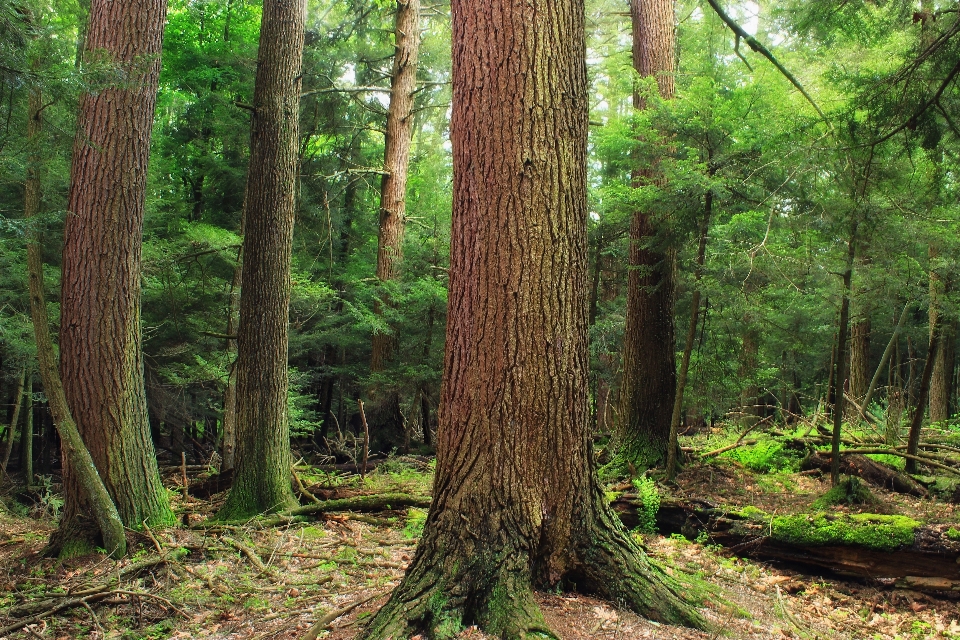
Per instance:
{"type": "Point", "coordinates": [247, 583]}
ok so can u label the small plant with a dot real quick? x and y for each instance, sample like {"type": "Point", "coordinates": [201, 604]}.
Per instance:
{"type": "Point", "coordinates": [953, 534]}
{"type": "Point", "coordinates": [765, 456]}
{"type": "Point", "coordinates": [648, 497]}
{"type": "Point", "coordinates": [416, 519]}
{"type": "Point", "coordinates": [850, 491]}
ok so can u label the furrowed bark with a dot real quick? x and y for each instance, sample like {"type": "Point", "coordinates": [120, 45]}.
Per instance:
{"type": "Point", "coordinates": [100, 339]}
{"type": "Point", "coordinates": [517, 504]}
{"type": "Point", "coordinates": [262, 478]}
{"type": "Point", "coordinates": [81, 463]}
{"type": "Point", "coordinates": [649, 360]}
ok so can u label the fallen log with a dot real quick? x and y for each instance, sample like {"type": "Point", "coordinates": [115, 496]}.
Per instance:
{"type": "Point", "coordinates": [864, 545]}
{"type": "Point", "coordinates": [879, 475]}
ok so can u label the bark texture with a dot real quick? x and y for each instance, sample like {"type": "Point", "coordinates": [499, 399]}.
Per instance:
{"type": "Point", "coordinates": [516, 502]}
{"type": "Point", "coordinates": [100, 342]}
{"type": "Point", "coordinates": [860, 358]}
{"type": "Point", "coordinates": [396, 163]}
{"type": "Point", "coordinates": [81, 463]}
{"type": "Point", "coordinates": [262, 479]}
{"type": "Point", "coordinates": [649, 358]}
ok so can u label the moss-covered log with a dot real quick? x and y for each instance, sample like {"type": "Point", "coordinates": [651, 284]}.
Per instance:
{"type": "Point", "coordinates": [864, 545]}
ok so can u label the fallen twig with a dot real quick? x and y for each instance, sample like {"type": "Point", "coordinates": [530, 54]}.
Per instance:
{"type": "Point", "coordinates": [326, 620]}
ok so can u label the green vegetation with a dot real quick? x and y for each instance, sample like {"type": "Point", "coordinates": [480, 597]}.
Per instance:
{"type": "Point", "coordinates": [879, 532]}
{"type": "Point", "coordinates": [648, 499]}
{"type": "Point", "coordinates": [850, 491]}
{"type": "Point", "coordinates": [953, 534]}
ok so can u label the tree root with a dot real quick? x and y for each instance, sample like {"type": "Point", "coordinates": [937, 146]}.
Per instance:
{"type": "Point", "coordinates": [615, 568]}
{"type": "Point", "coordinates": [438, 601]}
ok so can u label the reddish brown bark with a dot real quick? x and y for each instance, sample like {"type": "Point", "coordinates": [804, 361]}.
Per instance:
{"type": "Point", "coordinates": [262, 478]}
{"type": "Point", "coordinates": [100, 342]}
{"type": "Point", "coordinates": [516, 501]}
{"type": "Point", "coordinates": [649, 358]}
{"type": "Point", "coordinates": [396, 162]}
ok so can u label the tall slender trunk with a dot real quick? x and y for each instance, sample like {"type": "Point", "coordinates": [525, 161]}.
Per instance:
{"type": "Point", "coordinates": [842, 357]}
{"type": "Point", "coordinates": [81, 463]}
{"type": "Point", "coordinates": [100, 338]}
{"type": "Point", "coordinates": [229, 446]}
{"type": "Point", "coordinates": [941, 386]}
{"type": "Point", "coordinates": [262, 478]}
{"type": "Point", "coordinates": [516, 501]}
{"type": "Point", "coordinates": [396, 162]}
{"type": "Point", "coordinates": [14, 421]}
{"type": "Point", "coordinates": [913, 441]}
{"type": "Point", "coordinates": [691, 338]}
{"type": "Point", "coordinates": [649, 359]}
{"type": "Point", "coordinates": [26, 437]}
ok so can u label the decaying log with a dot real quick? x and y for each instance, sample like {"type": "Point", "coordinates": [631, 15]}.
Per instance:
{"type": "Point", "coordinates": [873, 472]}
{"type": "Point", "coordinates": [931, 563]}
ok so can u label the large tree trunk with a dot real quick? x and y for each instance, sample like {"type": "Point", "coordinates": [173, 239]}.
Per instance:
{"type": "Point", "coordinates": [516, 501]}
{"type": "Point", "coordinates": [649, 358]}
{"type": "Point", "coordinates": [262, 480]}
{"type": "Point", "coordinates": [84, 470]}
{"type": "Point", "coordinates": [396, 162]}
{"type": "Point", "coordinates": [100, 340]}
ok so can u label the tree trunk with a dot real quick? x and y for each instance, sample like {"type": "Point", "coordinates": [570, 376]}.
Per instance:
{"type": "Point", "coordinates": [842, 357]}
{"type": "Point", "coordinates": [14, 421]}
{"type": "Point", "coordinates": [516, 501]}
{"type": "Point", "coordinates": [942, 376]}
{"type": "Point", "coordinates": [749, 357]}
{"type": "Point", "coordinates": [26, 438]}
{"type": "Point", "coordinates": [262, 479]}
{"type": "Point", "coordinates": [691, 338]}
{"type": "Point", "coordinates": [860, 359]}
{"type": "Point", "coordinates": [913, 441]}
{"type": "Point", "coordinates": [229, 446]}
{"type": "Point", "coordinates": [81, 463]}
{"type": "Point", "coordinates": [649, 359]}
{"type": "Point", "coordinates": [396, 162]}
{"type": "Point", "coordinates": [100, 339]}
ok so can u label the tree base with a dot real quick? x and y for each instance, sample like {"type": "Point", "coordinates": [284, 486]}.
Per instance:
{"type": "Point", "coordinates": [450, 587]}
{"type": "Point", "coordinates": [78, 536]}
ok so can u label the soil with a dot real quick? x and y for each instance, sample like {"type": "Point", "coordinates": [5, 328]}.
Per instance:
{"type": "Point", "coordinates": [310, 569]}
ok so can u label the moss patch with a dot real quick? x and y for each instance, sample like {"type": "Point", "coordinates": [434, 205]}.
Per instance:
{"type": "Point", "coordinates": [882, 533]}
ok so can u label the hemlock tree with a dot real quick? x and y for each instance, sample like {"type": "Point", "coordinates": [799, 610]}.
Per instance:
{"type": "Point", "coordinates": [649, 361]}
{"type": "Point", "coordinates": [517, 504]}
{"type": "Point", "coordinates": [386, 415]}
{"type": "Point", "coordinates": [100, 341]}
{"type": "Point", "coordinates": [263, 461]}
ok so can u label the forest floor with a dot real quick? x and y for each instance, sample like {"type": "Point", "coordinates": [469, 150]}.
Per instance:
{"type": "Point", "coordinates": [330, 575]}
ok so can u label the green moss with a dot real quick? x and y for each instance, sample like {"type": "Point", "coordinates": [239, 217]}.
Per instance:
{"type": "Point", "coordinates": [953, 534]}
{"type": "Point", "coordinates": [883, 533]}
{"type": "Point", "coordinates": [75, 548]}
